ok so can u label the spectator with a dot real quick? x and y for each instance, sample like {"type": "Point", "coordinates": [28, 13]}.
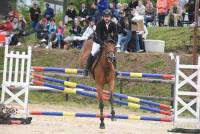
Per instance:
{"type": "Point", "coordinates": [150, 12]}
{"type": "Point", "coordinates": [14, 35]}
{"type": "Point", "coordinates": [12, 30]}
{"type": "Point", "coordinates": [102, 5]}
{"type": "Point", "coordinates": [133, 4]}
{"type": "Point", "coordinates": [140, 8]}
{"type": "Point", "coordinates": [60, 33]}
{"type": "Point", "coordinates": [6, 29]}
{"type": "Point", "coordinates": [112, 9]}
{"type": "Point", "coordinates": [94, 12]}
{"type": "Point", "coordinates": [14, 14]}
{"type": "Point", "coordinates": [75, 31]}
{"type": "Point", "coordinates": [190, 8]}
{"type": "Point", "coordinates": [67, 18]}
{"type": "Point", "coordinates": [52, 26]}
{"type": "Point", "coordinates": [86, 34]}
{"type": "Point", "coordinates": [49, 12]}
{"type": "Point", "coordinates": [83, 12]}
{"type": "Point", "coordinates": [89, 30]}
{"type": "Point", "coordinates": [161, 6]}
{"type": "Point", "coordinates": [115, 2]}
{"type": "Point", "coordinates": [124, 7]}
{"type": "Point", "coordinates": [71, 12]}
{"type": "Point", "coordinates": [15, 23]}
{"type": "Point", "coordinates": [124, 35]}
{"type": "Point", "coordinates": [175, 16]}
{"type": "Point", "coordinates": [7, 25]}
{"type": "Point", "coordinates": [182, 4]}
{"type": "Point", "coordinates": [41, 29]}
{"type": "Point", "coordinates": [136, 19]}
{"type": "Point", "coordinates": [52, 29]}
{"type": "Point", "coordinates": [171, 3]}
{"type": "Point", "coordinates": [117, 10]}
{"type": "Point", "coordinates": [34, 14]}
{"type": "Point", "coordinates": [17, 30]}
{"type": "Point", "coordinates": [142, 35]}
{"type": "Point", "coordinates": [22, 24]}
{"type": "Point", "coordinates": [84, 25]}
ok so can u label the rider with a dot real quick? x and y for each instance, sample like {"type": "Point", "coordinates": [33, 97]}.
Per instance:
{"type": "Point", "coordinates": [105, 29]}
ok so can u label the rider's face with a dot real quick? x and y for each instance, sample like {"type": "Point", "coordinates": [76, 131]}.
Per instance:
{"type": "Point", "coordinates": [107, 18]}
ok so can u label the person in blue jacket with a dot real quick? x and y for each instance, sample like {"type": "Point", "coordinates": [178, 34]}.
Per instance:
{"type": "Point", "coordinates": [102, 5]}
{"type": "Point", "coordinates": [49, 12]}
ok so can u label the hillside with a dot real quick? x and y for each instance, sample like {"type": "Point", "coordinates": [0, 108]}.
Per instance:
{"type": "Point", "coordinates": [176, 38]}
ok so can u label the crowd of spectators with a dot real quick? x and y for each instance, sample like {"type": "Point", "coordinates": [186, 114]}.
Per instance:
{"type": "Point", "coordinates": [132, 20]}
{"type": "Point", "coordinates": [13, 28]}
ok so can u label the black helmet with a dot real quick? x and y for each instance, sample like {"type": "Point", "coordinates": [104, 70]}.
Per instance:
{"type": "Point", "coordinates": [106, 12]}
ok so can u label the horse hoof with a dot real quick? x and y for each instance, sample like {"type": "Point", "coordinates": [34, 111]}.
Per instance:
{"type": "Point", "coordinates": [102, 126]}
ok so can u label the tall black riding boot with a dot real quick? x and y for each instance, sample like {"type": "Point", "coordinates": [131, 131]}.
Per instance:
{"type": "Point", "coordinates": [90, 61]}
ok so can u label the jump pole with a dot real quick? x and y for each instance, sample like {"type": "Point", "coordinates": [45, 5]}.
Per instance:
{"type": "Point", "coordinates": [93, 115]}
{"type": "Point", "coordinates": [84, 93]}
{"type": "Point", "coordinates": [88, 88]}
{"type": "Point", "coordinates": [80, 71]}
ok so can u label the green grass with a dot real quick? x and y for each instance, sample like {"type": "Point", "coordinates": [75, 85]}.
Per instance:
{"type": "Point", "coordinates": [175, 38]}
{"type": "Point", "coordinates": [30, 39]}
{"type": "Point", "coordinates": [156, 64]}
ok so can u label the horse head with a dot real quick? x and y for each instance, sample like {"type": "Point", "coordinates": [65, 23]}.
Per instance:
{"type": "Point", "coordinates": [110, 50]}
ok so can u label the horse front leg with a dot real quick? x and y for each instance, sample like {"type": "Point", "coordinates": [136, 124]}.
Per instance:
{"type": "Point", "coordinates": [111, 88]}
{"type": "Point", "coordinates": [101, 106]}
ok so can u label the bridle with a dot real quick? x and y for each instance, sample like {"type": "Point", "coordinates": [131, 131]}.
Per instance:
{"type": "Point", "coordinates": [110, 55]}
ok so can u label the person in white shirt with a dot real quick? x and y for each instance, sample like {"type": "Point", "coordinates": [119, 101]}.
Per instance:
{"type": "Point", "coordinates": [140, 8]}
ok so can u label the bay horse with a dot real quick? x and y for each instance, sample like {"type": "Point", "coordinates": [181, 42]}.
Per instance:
{"type": "Point", "coordinates": [103, 71]}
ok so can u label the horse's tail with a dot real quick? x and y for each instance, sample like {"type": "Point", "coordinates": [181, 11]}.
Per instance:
{"type": "Point", "coordinates": [84, 53]}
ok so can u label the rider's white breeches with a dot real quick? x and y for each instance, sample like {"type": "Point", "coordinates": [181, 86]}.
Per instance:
{"type": "Point", "coordinates": [95, 48]}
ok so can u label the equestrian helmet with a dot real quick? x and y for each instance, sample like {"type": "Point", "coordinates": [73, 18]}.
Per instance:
{"type": "Point", "coordinates": [106, 12]}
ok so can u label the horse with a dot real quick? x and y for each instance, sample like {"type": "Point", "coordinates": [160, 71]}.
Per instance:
{"type": "Point", "coordinates": [103, 71]}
